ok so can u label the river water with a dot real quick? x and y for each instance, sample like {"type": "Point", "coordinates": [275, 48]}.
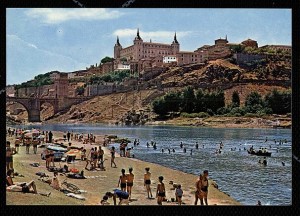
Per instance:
{"type": "Point", "coordinates": [235, 171]}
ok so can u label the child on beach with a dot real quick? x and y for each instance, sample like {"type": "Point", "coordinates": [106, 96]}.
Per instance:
{"type": "Point", "coordinates": [160, 192]}
{"type": "Point", "coordinates": [122, 180]}
{"type": "Point", "coordinates": [178, 194]}
{"type": "Point", "coordinates": [147, 181]}
{"type": "Point", "coordinates": [113, 152]}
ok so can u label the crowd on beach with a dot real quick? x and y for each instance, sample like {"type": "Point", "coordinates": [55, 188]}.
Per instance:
{"type": "Point", "coordinates": [95, 158]}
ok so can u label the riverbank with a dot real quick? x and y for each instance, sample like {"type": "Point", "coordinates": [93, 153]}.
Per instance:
{"type": "Point", "coordinates": [99, 182]}
{"type": "Point", "coordinates": [228, 122]}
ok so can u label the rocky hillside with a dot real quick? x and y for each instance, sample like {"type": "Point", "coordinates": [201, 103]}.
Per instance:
{"type": "Point", "coordinates": [135, 106]}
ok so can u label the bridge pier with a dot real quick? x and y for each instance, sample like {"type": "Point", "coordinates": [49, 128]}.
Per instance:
{"type": "Point", "coordinates": [34, 115]}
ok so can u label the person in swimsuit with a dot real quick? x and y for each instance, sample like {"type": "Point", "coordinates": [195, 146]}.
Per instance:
{"type": "Point", "coordinates": [178, 194]}
{"type": "Point", "coordinates": [19, 186]}
{"type": "Point", "coordinates": [27, 144]}
{"type": "Point", "coordinates": [51, 158]}
{"type": "Point", "coordinates": [130, 177]}
{"type": "Point", "coordinates": [147, 181]}
{"type": "Point", "coordinates": [55, 181]}
{"type": "Point", "coordinates": [160, 192]}
{"type": "Point", "coordinates": [203, 187]}
{"type": "Point", "coordinates": [9, 156]}
{"type": "Point", "coordinates": [95, 158]}
{"type": "Point", "coordinates": [113, 152]}
{"type": "Point", "coordinates": [122, 195]}
{"type": "Point", "coordinates": [122, 180]}
{"type": "Point", "coordinates": [100, 154]}
{"type": "Point", "coordinates": [35, 142]}
{"type": "Point", "coordinates": [17, 145]}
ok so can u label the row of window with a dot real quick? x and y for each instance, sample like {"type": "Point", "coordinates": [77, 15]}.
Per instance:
{"type": "Point", "coordinates": [192, 55]}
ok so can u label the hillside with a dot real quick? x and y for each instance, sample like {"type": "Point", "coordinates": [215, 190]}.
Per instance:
{"type": "Point", "coordinates": [122, 107]}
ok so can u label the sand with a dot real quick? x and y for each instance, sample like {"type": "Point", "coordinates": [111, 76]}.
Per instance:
{"type": "Point", "coordinates": [99, 182]}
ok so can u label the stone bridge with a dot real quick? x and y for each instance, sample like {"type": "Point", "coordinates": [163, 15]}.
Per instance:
{"type": "Point", "coordinates": [33, 105]}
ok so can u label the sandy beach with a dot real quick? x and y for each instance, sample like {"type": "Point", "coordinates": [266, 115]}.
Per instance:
{"type": "Point", "coordinates": [98, 183]}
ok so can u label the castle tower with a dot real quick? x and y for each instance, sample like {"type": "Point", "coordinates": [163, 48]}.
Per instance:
{"type": "Point", "coordinates": [138, 46]}
{"type": "Point", "coordinates": [117, 49]}
{"type": "Point", "coordinates": [61, 83]}
{"type": "Point", "coordinates": [175, 45]}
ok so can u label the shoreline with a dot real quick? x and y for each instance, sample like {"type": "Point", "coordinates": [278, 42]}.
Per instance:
{"type": "Point", "coordinates": [215, 197]}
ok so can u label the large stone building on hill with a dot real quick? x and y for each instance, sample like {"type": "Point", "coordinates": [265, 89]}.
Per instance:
{"type": "Point", "coordinates": [144, 54]}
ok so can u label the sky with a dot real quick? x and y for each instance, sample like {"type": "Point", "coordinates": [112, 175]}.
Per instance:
{"type": "Point", "coordinates": [40, 40]}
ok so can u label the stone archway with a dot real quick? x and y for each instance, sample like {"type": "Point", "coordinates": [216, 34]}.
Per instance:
{"type": "Point", "coordinates": [47, 110]}
{"type": "Point", "coordinates": [17, 112]}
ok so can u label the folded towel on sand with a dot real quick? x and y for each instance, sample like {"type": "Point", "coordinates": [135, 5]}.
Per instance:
{"type": "Point", "coordinates": [75, 196]}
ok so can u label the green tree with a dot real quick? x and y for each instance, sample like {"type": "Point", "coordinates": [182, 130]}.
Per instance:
{"type": "Point", "coordinates": [254, 102]}
{"type": "Point", "coordinates": [106, 59]}
{"type": "Point", "coordinates": [279, 102]}
{"type": "Point", "coordinates": [158, 106]}
{"type": "Point", "coordinates": [199, 103]}
{"type": "Point", "coordinates": [188, 100]}
{"type": "Point", "coordinates": [172, 101]}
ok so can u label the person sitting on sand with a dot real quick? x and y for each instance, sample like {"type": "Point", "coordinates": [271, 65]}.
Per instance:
{"type": "Point", "coordinates": [55, 181]}
{"type": "Point", "coordinates": [122, 180]}
{"type": "Point", "coordinates": [160, 192]}
{"type": "Point", "coordinates": [113, 152]}
{"type": "Point", "coordinates": [122, 195]}
{"type": "Point", "coordinates": [147, 181]}
{"type": "Point", "coordinates": [130, 178]}
{"type": "Point", "coordinates": [19, 186]}
{"type": "Point", "coordinates": [178, 194]}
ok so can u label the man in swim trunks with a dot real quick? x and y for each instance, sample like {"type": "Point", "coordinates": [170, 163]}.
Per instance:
{"type": "Point", "coordinates": [160, 192]}
{"type": "Point", "coordinates": [122, 180]}
{"type": "Point", "coordinates": [130, 177]}
{"type": "Point", "coordinates": [19, 186]}
{"type": "Point", "coordinates": [122, 195]}
{"type": "Point", "coordinates": [147, 181]}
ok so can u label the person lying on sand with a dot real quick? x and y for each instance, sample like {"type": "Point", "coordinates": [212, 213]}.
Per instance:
{"type": "Point", "coordinates": [25, 187]}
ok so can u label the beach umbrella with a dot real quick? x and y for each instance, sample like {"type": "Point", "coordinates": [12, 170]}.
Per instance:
{"type": "Point", "coordinates": [35, 131]}
{"type": "Point", "coordinates": [29, 135]}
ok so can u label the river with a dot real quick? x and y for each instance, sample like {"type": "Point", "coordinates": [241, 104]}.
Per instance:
{"type": "Point", "coordinates": [236, 172]}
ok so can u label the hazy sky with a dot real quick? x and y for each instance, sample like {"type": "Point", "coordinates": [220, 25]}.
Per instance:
{"type": "Point", "coordinates": [43, 40]}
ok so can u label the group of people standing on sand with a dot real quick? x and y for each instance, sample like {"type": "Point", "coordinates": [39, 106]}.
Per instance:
{"type": "Point", "coordinates": [125, 183]}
